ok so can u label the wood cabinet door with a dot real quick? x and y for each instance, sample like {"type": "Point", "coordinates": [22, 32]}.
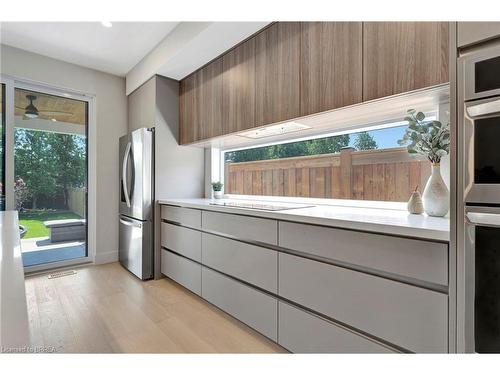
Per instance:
{"type": "Point", "coordinates": [188, 103]}
{"type": "Point", "coordinates": [331, 65]}
{"type": "Point", "coordinates": [210, 96]}
{"type": "Point", "coordinates": [277, 86]}
{"type": "Point", "coordinates": [238, 88]}
{"type": "Point", "coordinates": [403, 56]}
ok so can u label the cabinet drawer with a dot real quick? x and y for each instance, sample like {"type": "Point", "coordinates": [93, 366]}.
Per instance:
{"type": "Point", "coordinates": [185, 216]}
{"type": "Point", "coordinates": [253, 264]}
{"type": "Point", "coordinates": [410, 317]}
{"type": "Point", "coordinates": [182, 270]}
{"type": "Point", "coordinates": [416, 259]}
{"type": "Point", "coordinates": [254, 308]}
{"type": "Point", "coordinates": [301, 332]}
{"type": "Point", "coordinates": [243, 227]}
{"type": "Point", "coordinates": [182, 240]}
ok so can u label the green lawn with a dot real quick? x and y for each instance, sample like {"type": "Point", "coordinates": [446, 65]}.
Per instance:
{"type": "Point", "coordinates": [33, 220]}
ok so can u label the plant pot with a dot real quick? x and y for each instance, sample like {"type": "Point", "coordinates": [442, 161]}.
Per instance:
{"type": "Point", "coordinates": [217, 194]}
{"type": "Point", "coordinates": [436, 194]}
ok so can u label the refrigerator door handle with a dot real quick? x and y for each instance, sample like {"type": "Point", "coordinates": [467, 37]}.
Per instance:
{"type": "Point", "coordinates": [124, 174]}
{"type": "Point", "coordinates": [129, 223]}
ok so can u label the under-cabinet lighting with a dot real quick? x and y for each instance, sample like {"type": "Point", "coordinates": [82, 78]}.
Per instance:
{"type": "Point", "coordinates": [268, 131]}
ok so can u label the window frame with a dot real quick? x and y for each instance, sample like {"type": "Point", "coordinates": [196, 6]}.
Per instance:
{"type": "Point", "coordinates": [220, 175]}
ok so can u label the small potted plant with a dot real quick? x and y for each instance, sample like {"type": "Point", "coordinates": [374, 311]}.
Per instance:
{"type": "Point", "coordinates": [431, 139]}
{"type": "Point", "coordinates": [217, 188]}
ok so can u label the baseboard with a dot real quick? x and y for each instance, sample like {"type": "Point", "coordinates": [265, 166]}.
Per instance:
{"type": "Point", "coordinates": [106, 257]}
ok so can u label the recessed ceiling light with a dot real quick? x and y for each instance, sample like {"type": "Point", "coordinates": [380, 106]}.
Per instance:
{"type": "Point", "coordinates": [106, 24]}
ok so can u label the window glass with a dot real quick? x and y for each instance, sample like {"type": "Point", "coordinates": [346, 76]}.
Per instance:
{"type": "Point", "coordinates": [367, 165]}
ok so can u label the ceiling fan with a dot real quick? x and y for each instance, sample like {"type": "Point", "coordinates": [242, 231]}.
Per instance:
{"type": "Point", "coordinates": [31, 112]}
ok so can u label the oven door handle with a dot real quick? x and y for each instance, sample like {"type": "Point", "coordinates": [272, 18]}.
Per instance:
{"type": "Point", "coordinates": [483, 109]}
{"type": "Point", "coordinates": [483, 218]}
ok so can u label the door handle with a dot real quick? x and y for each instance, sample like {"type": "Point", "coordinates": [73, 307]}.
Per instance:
{"type": "Point", "coordinates": [124, 173]}
{"type": "Point", "coordinates": [483, 218]}
{"type": "Point", "coordinates": [130, 223]}
{"type": "Point", "coordinates": [486, 108]}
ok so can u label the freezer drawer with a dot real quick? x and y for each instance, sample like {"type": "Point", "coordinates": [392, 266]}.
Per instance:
{"type": "Point", "coordinates": [135, 247]}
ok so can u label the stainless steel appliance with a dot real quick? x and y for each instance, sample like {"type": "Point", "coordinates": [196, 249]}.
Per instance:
{"type": "Point", "coordinates": [482, 251]}
{"type": "Point", "coordinates": [480, 93]}
{"type": "Point", "coordinates": [479, 163]}
{"type": "Point", "coordinates": [136, 202]}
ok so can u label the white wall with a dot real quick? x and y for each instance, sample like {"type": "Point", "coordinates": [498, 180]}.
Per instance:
{"type": "Point", "coordinates": [111, 115]}
{"type": "Point", "coordinates": [179, 170]}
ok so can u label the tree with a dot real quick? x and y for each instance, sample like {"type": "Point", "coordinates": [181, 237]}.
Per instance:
{"type": "Point", "coordinates": [364, 141]}
{"type": "Point", "coordinates": [33, 163]}
{"type": "Point", "coordinates": [68, 153]}
{"type": "Point", "coordinates": [287, 150]}
{"type": "Point", "coordinates": [328, 145]}
{"type": "Point", "coordinates": [49, 163]}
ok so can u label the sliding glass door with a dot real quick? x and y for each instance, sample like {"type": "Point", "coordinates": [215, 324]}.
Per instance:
{"type": "Point", "coordinates": [47, 133]}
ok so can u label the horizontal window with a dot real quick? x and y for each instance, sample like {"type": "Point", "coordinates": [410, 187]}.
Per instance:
{"type": "Point", "coordinates": [367, 165]}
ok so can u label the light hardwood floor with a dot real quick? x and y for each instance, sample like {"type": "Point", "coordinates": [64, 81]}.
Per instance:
{"type": "Point", "coordinates": [105, 309]}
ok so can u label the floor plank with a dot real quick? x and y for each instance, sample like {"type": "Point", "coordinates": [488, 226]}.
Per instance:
{"type": "Point", "coordinates": [105, 309]}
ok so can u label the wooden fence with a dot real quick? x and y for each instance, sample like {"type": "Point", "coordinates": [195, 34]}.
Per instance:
{"type": "Point", "coordinates": [385, 175]}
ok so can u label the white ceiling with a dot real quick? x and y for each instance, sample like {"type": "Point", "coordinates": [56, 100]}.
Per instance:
{"type": "Point", "coordinates": [114, 50]}
{"type": "Point", "coordinates": [188, 47]}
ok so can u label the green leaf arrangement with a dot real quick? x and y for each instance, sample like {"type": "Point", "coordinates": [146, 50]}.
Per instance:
{"type": "Point", "coordinates": [217, 186]}
{"type": "Point", "coordinates": [428, 138]}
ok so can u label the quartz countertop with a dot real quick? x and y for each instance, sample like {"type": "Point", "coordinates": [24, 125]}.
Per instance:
{"type": "Point", "coordinates": [14, 326]}
{"type": "Point", "coordinates": [378, 220]}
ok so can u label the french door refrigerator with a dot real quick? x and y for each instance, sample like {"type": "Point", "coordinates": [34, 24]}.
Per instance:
{"type": "Point", "coordinates": [136, 242]}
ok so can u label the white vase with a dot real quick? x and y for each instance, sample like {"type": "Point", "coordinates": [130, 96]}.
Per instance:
{"type": "Point", "coordinates": [436, 194]}
{"type": "Point", "coordinates": [217, 194]}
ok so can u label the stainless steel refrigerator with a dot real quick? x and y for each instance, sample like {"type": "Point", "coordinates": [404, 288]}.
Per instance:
{"type": "Point", "coordinates": [136, 242]}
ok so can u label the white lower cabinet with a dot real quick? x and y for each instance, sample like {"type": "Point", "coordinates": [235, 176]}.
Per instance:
{"type": "Point", "coordinates": [184, 241]}
{"type": "Point", "coordinates": [302, 332]}
{"type": "Point", "coordinates": [410, 317]}
{"type": "Point", "coordinates": [182, 270]}
{"type": "Point", "coordinates": [185, 216]}
{"type": "Point", "coordinates": [252, 307]}
{"type": "Point", "coordinates": [253, 264]}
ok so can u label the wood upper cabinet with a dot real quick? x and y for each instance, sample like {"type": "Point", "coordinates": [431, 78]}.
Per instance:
{"type": "Point", "coordinates": [189, 131]}
{"type": "Point", "coordinates": [403, 56]}
{"type": "Point", "coordinates": [293, 69]}
{"type": "Point", "coordinates": [331, 67]}
{"type": "Point", "coordinates": [200, 101]}
{"type": "Point", "coordinates": [238, 88]}
{"type": "Point", "coordinates": [277, 69]}
{"type": "Point", "coordinates": [210, 99]}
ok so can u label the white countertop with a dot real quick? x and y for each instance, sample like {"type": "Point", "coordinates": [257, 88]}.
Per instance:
{"type": "Point", "coordinates": [14, 326]}
{"type": "Point", "coordinates": [385, 221]}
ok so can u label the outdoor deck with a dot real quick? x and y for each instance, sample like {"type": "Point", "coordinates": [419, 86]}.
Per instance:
{"type": "Point", "coordinates": [40, 250]}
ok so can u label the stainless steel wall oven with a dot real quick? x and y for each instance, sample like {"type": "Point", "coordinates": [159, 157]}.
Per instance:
{"type": "Point", "coordinates": [479, 143]}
